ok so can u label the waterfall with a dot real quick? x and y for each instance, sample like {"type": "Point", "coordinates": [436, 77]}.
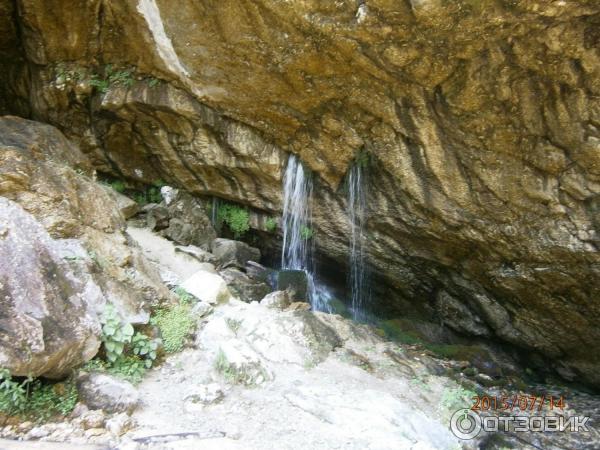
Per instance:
{"type": "Point", "coordinates": [297, 251]}
{"type": "Point", "coordinates": [357, 209]}
{"type": "Point", "coordinates": [297, 193]}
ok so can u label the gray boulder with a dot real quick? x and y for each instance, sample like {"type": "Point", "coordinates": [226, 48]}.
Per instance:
{"type": "Point", "coordinates": [294, 281]}
{"type": "Point", "coordinates": [126, 206]}
{"type": "Point", "coordinates": [102, 391]}
{"type": "Point", "coordinates": [232, 253]}
{"type": "Point", "coordinates": [244, 287]}
{"type": "Point", "coordinates": [157, 217]}
{"type": "Point", "coordinates": [189, 224]}
{"type": "Point", "coordinates": [48, 318]}
{"type": "Point", "coordinates": [197, 253]}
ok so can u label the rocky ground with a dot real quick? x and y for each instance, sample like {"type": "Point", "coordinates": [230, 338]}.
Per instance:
{"type": "Point", "coordinates": [273, 375]}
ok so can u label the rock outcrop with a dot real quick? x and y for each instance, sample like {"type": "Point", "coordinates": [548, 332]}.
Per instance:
{"type": "Point", "coordinates": [63, 254]}
{"type": "Point", "coordinates": [480, 120]}
{"type": "Point", "coordinates": [48, 317]}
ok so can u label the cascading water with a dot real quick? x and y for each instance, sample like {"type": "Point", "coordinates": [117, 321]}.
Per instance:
{"type": "Point", "coordinates": [297, 251]}
{"type": "Point", "coordinates": [297, 192]}
{"type": "Point", "coordinates": [357, 209]}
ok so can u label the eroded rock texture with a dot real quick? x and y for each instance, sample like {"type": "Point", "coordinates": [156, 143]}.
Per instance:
{"type": "Point", "coordinates": [63, 254]}
{"type": "Point", "coordinates": [481, 118]}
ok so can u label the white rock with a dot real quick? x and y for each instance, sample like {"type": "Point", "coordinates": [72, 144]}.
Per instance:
{"type": "Point", "coordinates": [168, 194]}
{"type": "Point", "coordinates": [208, 287]}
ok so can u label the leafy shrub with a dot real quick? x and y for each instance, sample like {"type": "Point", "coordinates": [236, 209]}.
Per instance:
{"type": "Point", "coordinates": [142, 345]}
{"type": "Point", "coordinates": [175, 323]}
{"type": "Point", "coordinates": [129, 368]}
{"type": "Point", "coordinates": [34, 399]}
{"type": "Point", "coordinates": [271, 224]}
{"type": "Point", "coordinates": [153, 82]}
{"type": "Point", "coordinates": [128, 354]}
{"type": "Point", "coordinates": [110, 78]}
{"type": "Point", "coordinates": [118, 186]}
{"type": "Point", "coordinates": [237, 218]}
{"type": "Point", "coordinates": [115, 334]}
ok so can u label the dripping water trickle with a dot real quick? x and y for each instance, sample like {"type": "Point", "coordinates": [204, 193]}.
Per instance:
{"type": "Point", "coordinates": [357, 209]}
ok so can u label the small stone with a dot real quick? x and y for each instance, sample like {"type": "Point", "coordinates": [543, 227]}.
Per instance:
{"type": "Point", "coordinates": [79, 410]}
{"type": "Point", "coordinates": [92, 419]}
{"type": "Point", "coordinates": [299, 306]}
{"type": "Point", "coordinates": [119, 424]}
{"type": "Point", "coordinates": [202, 309]}
{"type": "Point", "coordinates": [37, 433]}
{"type": "Point", "coordinates": [95, 432]}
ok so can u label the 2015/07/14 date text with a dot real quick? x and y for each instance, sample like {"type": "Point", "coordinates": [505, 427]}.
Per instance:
{"type": "Point", "coordinates": [517, 402]}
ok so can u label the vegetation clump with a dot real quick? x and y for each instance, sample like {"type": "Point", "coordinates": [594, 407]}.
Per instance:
{"type": "Point", "coordinates": [271, 224]}
{"type": "Point", "coordinates": [175, 322]}
{"type": "Point", "coordinates": [236, 218]}
{"type": "Point", "coordinates": [128, 354]}
{"type": "Point", "coordinates": [111, 78]}
{"type": "Point", "coordinates": [34, 399]}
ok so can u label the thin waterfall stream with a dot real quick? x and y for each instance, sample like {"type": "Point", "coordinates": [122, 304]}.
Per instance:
{"type": "Point", "coordinates": [357, 210]}
{"type": "Point", "coordinates": [297, 250]}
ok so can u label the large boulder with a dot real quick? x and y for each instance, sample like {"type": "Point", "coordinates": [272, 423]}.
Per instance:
{"type": "Point", "coordinates": [189, 224]}
{"type": "Point", "coordinates": [53, 181]}
{"type": "Point", "coordinates": [244, 287]}
{"type": "Point", "coordinates": [48, 317]}
{"type": "Point", "coordinates": [232, 253]}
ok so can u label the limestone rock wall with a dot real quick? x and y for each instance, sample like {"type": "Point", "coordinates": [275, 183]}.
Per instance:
{"type": "Point", "coordinates": [481, 118]}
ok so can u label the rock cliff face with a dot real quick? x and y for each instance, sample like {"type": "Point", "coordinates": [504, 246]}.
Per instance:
{"type": "Point", "coordinates": [481, 119]}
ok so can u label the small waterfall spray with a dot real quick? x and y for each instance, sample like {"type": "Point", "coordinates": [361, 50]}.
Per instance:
{"type": "Point", "coordinates": [297, 251]}
{"type": "Point", "coordinates": [357, 209]}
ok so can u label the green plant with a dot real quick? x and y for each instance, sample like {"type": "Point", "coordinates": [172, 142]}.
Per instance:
{"type": "Point", "coordinates": [233, 324]}
{"type": "Point", "coordinates": [118, 186]}
{"type": "Point", "coordinates": [153, 82]}
{"type": "Point", "coordinates": [102, 83]}
{"type": "Point", "coordinates": [129, 368]}
{"type": "Point", "coordinates": [175, 324]}
{"type": "Point", "coordinates": [145, 347]}
{"type": "Point", "coordinates": [32, 398]}
{"type": "Point", "coordinates": [237, 218]}
{"type": "Point", "coordinates": [362, 158]}
{"type": "Point", "coordinates": [271, 224]}
{"type": "Point", "coordinates": [306, 233]}
{"type": "Point", "coordinates": [115, 333]}
{"type": "Point", "coordinates": [456, 398]}
{"type": "Point", "coordinates": [184, 296]}
{"type": "Point", "coordinates": [13, 395]}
